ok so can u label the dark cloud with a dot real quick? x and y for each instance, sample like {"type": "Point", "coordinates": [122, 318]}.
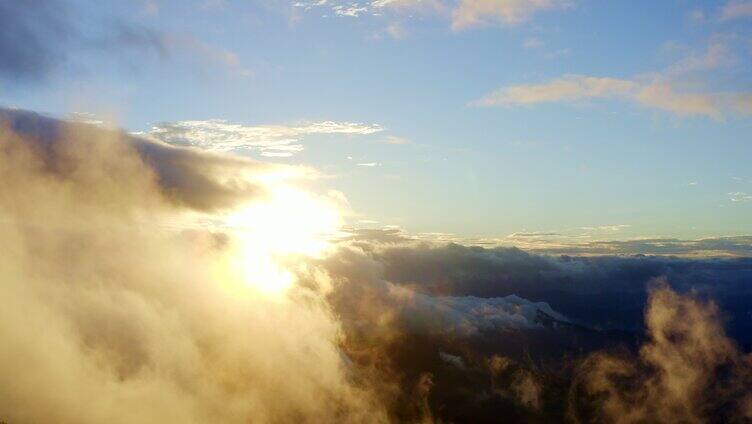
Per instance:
{"type": "Point", "coordinates": [185, 177]}
{"type": "Point", "coordinates": [39, 37]}
{"type": "Point", "coordinates": [423, 320]}
{"type": "Point", "coordinates": [606, 292]}
{"type": "Point", "coordinates": [133, 37]}
{"type": "Point", "coordinates": [34, 35]}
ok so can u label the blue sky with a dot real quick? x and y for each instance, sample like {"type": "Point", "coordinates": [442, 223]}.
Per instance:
{"type": "Point", "coordinates": [482, 118]}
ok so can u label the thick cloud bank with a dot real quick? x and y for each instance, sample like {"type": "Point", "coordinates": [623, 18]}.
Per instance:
{"type": "Point", "coordinates": [602, 292]}
{"type": "Point", "coordinates": [109, 317]}
{"type": "Point", "coordinates": [442, 322]}
{"type": "Point", "coordinates": [117, 309]}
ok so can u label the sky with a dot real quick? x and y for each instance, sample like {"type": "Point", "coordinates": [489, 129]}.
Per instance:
{"type": "Point", "coordinates": [480, 120]}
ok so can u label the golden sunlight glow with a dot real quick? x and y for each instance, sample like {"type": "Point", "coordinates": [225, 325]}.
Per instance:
{"type": "Point", "coordinates": [289, 222]}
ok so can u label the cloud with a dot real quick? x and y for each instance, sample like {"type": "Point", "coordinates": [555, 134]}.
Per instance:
{"type": "Point", "coordinates": [656, 94]}
{"type": "Point", "coordinates": [125, 318]}
{"type": "Point", "coordinates": [396, 140]}
{"type": "Point", "coordinates": [740, 197]}
{"type": "Point", "coordinates": [533, 43]}
{"type": "Point", "coordinates": [33, 39]}
{"type": "Point", "coordinates": [673, 90]}
{"type": "Point", "coordinates": [718, 54]}
{"type": "Point", "coordinates": [525, 386]}
{"type": "Point", "coordinates": [732, 246]}
{"type": "Point", "coordinates": [576, 241]}
{"type": "Point", "coordinates": [736, 9]}
{"type": "Point", "coordinates": [470, 13]}
{"type": "Point", "coordinates": [37, 41]}
{"type": "Point", "coordinates": [352, 11]}
{"type": "Point", "coordinates": [412, 309]}
{"type": "Point", "coordinates": [270, 140]}
{"type": "Point", "coordinates": [186, 177]}
{"type": "Point", "coordinates": [688, 370]}
{"type": "Point", "coordinates": [375, 8]}
{"type": "Point", "coordinates": [569, 284]}
{"type": "Point", "coordinates": [462, 14]}
{"type": "Point", "coordinates": [109, 315]}
{"type": "Point", "coordinates": [660, 95]}
{"type": "Point", "coordinates": [469, 314]}
{"type": "Point", "coordinates": [566, 88]}
{"type": "Point", "coordinates": [611, 228]}
{"type": "Point", "coordinates": [534, 234]}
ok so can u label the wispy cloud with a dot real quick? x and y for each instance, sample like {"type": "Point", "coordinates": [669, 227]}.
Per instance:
{"type": "Point", "coordinates": [471, 13]}
{"type": "Point", "coordinates": [36, 42]}
{"type": "Point", "coordinates": [462, 14]}
{"type": "Point", "coordinates": [655, 94]}
{"type": "Point", "coordinates": [736, 9]}
{"type": "Point", "coordinates": [533, 43]}
{"type": "Point", "coordinates": [396, 140]}
{"type": "Point", "coordinates": [674, 89]}
{"type": "Point", "coordinates": [612, 228]}
{"type": "Point", "coordinates": [352, 10]}
{"type": "Point", "coordinates": [716, 55]}
{"type": "Point", "coordinates": [740, 197]}
{"type": "Point", "coordinates": [566, 88]}
{"type": "Point", "coordinates": [269, 140]}
{"type": "Point", "coordinates": [696, 16]}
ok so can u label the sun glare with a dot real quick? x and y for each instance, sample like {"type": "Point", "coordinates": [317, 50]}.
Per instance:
{"type": "Point", "coordinates": [290, 222]}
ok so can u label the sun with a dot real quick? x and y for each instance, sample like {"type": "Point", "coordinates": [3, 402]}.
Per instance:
{"type": "Point", "coordinates": [289, 222]}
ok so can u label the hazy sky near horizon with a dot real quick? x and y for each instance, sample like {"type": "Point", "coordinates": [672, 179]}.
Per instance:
{"type": "Point", "coordinates": [480, 118]}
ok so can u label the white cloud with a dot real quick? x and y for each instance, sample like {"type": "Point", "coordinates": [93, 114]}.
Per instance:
{"type": "Point", "coordinates": [352, 11]}
{"type": "Point", "coordinates": [740, 197]}
{"type": "Point", "coordinates": [369, 164]}
{"type": "Point", "coordinates": [470, 314]}
{"type": "Point", "coordinates": [611, 228]}
{"type": "Point", "coordinates": [269, 140]}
